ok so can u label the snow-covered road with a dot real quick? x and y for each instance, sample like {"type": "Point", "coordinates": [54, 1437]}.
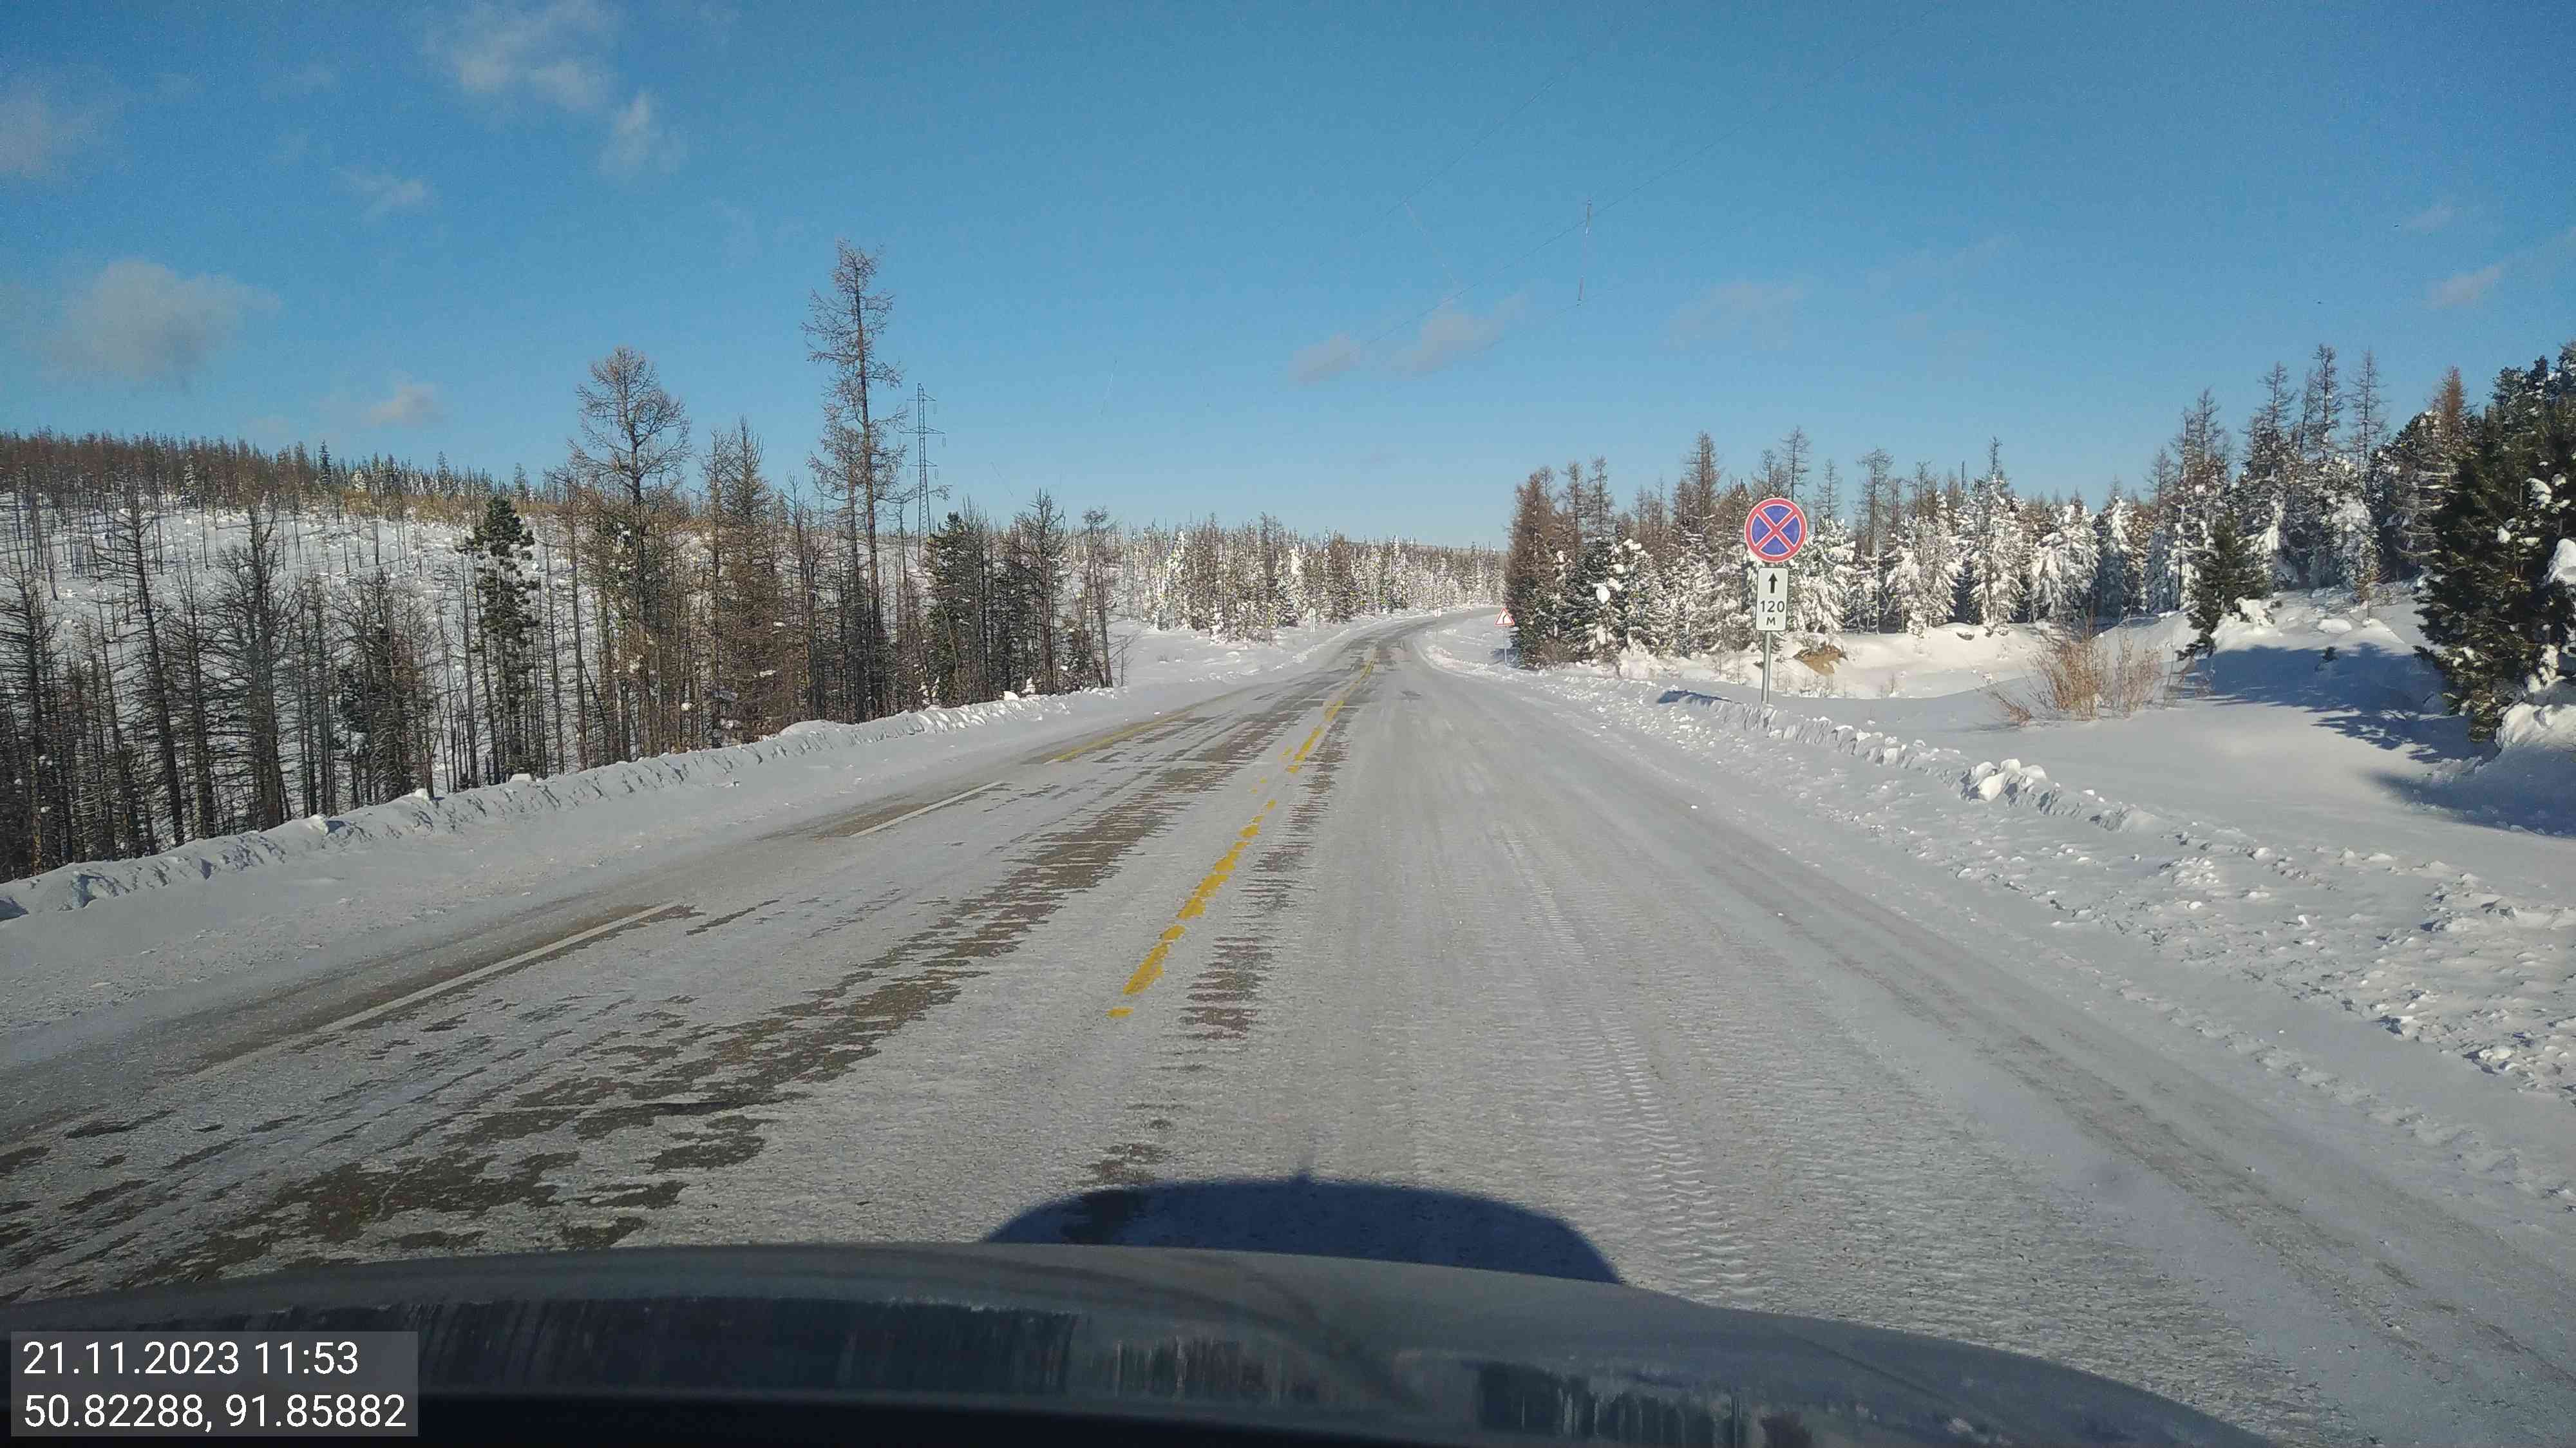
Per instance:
{"type": "Point", "coordinates": [1379, 921]}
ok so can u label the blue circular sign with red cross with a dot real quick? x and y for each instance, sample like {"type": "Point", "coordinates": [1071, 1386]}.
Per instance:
{"type": "Point", "coordinates": [1775, 530]}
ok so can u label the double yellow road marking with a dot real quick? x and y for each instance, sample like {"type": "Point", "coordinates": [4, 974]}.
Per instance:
{"type": "Point", "coordinates": [1110, 738]}
{"type": "Point", "coordinates": [1150, 969]}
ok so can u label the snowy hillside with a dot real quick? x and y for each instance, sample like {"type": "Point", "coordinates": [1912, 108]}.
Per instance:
{"type": "Point", "coordinates": [2321, 710]}
{"type": "Point", "coordinates": [203, 638]}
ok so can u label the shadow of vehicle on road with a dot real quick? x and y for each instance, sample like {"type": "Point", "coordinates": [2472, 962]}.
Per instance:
{"type": "Point", "coordinates": [1306, 1217]}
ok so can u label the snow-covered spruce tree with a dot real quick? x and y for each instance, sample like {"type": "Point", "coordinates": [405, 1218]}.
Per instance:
{"type": "Point", "coordinates": [2190, 489]}
{"type": "Point", "coordinates": [1822, 578]}
{"type": "Point", "coordinates": [2414, 475]}
{"type": "Point", "coordinates": [2119, 568]}
{"type": "Point", "coordinates": [2172, 537]}
{"type": "Point", "coordinates": [501, 550]}
{"type": "Point", "coordinates": [1881, 507]}
{"type": "Point", "coordinates": [1530, 567]}
{"type": "Point", "coordinates": [1907, 598]}
{"type": "Point", "coordinates": [2318, 479]}
{"type": "Point", "coordinates": [1557, 609]}
{"type": "Point", "coordinates": [2499, 591]}
{"type": "Point", "coordinates": [1680, 618]}
{"type": "Point", "coordinates": [1923, 578]}
{"type": "Point", "coordinates": [2229, 571]}
{"type": "Point", "coordinates": [1600, 579]}
{"type": "Point", "coordinates": [1640, 605]}
{"type": "Point", "coordinates": [2061, 566]}
{"type": "Point", "coordinates": [2259, 495]}
{"type": "Point", "coordinates": [1997, 551]}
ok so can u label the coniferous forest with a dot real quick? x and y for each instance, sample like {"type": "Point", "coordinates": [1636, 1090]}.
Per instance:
{"type": "Point", "coordinates": [2471, 507]}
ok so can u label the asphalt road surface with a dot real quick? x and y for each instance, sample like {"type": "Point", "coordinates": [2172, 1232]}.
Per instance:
{"type": "Point", "coordinates": [1374, 923]}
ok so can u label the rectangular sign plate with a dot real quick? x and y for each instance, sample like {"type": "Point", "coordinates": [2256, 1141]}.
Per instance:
{"type": "Point", "coordinates": [1771, 600]}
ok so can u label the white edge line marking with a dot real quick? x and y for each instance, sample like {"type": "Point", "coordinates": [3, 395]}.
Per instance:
{"type": "Point", "coordinates": [925, 809]}
{"type": "Point", "coordinates": [471, 976]}
{"type": "Point", "coordinates": [451, 983]}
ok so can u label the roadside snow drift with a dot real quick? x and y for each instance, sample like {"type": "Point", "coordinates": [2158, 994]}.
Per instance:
{"type": "Point", "coordinates": [2306, 825]}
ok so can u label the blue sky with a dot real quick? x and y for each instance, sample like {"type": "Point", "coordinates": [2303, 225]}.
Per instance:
{"type": "Point", "coordinates": [1317, 259]}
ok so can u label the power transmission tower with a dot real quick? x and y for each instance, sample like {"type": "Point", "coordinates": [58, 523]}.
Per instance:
{"type": "Point", "coordinates": [922, 433]}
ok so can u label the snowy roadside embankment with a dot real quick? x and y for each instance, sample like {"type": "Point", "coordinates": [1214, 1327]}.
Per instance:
{"type": "Point", "coordinates": [2376, 925]}
{"type": "Point", "coordinates": [275, 906]}
{"type": "Point", "coordinates": [1158, 659]}
{"type": "Point", "coordinates": [524, 799]}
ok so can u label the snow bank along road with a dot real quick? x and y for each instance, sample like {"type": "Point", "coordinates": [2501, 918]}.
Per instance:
{"type": "Point", "coordinates": [1380, 922]}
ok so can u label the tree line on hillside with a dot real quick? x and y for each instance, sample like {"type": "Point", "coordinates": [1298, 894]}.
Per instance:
{"type": "Point", "coordinates": [199, 638]}
{"type": "Point", "coordinates": [2468, 506]}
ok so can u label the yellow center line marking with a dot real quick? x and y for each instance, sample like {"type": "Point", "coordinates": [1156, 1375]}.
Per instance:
{"type": "Point", "coordinates": [1150, 969]}
{"type": "Point", "coordinates": [1297, 760]}
{"type": "Point", "coordinates": [1109, 738]}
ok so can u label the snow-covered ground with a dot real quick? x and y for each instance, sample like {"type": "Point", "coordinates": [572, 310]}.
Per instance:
{"type": "Point", "coordinates": [2307, 825]}
{"type": "Point", "coordinates": [310, 892]}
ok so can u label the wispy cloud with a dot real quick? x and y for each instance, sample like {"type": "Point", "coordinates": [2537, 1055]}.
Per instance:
{"type": "Point", "coordinates": [40, 126]}
{"type": "Point", "coordinates": [1452, 333]}
{"type": "Point", "coordinates": [555, 54]}
{"type": "Point", "coordinates": [741, 233]}
{"type": "Point", "coordinates": [2432, 218]}
{"type": "Point", "coordinates": [304, 80]}
{"type": "Point", "coordinates": [1330, 358]}
{"type": "Point", "coordinates": [410, 404]}
{"type": "Point", "coordinates": [637, 138]}
{"type": "Point", "coordinates": [1761, 309]}
{"type": "Point", "coordinates": [143, 322]}
{"type": "Point", "coordinates": [383, 192]}
{"type": "Point", "coordinates": [2465, 288]}
{"type": "Point", "coordinates": [1937, 264]}
{"type": "Point", "coordinates": [717, 19]}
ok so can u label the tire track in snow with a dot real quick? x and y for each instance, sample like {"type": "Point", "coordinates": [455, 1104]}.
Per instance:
{"type": "Point", "coordinates": [1751, 1126]}
{"type": "Point", "coordinates": [1659, 1183]}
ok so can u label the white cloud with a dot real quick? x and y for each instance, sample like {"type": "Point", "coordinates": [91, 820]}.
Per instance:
{"type": "Point", "coordinates": [556, 53]}
{"type": "Point", "coordinates": [637, 138]}
{"type": "Point", "coordinates": [305, 80]}
{"type": "Point", "coordinates": [1451, 333]}
{"type": "Point", "coordinates": [39, 125]}
{"type": "Point", "coordinates": [409, 405]}
{"type": "Point", "coordinates": [1330, 358]}
{"type": "Point", "coordinates": [141, 321]}
{"type": "Point", "coordinates": [2467, 287]}
{"type": "Point", "coordinates": [2431, 218]}
{"type": "Point", "coordinates": [1934, 264]}
{"type": "Point", "coordinates": [1746, 306]}
{"type": "Point", "coordinates": [384, 192]}
{"type": "Point", "coordinates": [552, 52]}
{"type": "Point", "coordinates": [718, 19]}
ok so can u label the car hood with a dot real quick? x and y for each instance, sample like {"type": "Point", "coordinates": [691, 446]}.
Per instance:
{"type": "Point", "coordinates": [1366, 1348]}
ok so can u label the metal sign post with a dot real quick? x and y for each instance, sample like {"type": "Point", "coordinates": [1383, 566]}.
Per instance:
{"type": "Point", "coordinates": [1773, 533]}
